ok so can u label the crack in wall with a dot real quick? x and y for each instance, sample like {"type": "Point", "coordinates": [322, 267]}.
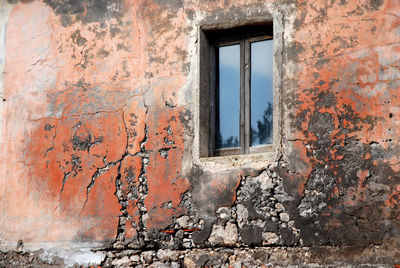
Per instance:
{"type": "Point", "coordinates": [303, 188]}
{"type": "Point", "coordinates": [142, 192]}
{"type": "Point", "coordinates": [142, 187]}
{"type": "Point", "coordinates": [96, 174]}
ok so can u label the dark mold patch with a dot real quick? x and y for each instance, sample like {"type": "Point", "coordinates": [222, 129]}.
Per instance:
{"type": "Point", "coordinates": [325, 99]}
{"type": "Point", "coordinates": [294, 51]}
{"type": "Point", "coordinates": [176, 4]}
{"type": "Point", "coordinates": [362, 218]}
{"type": "Point", "coordinates": [375, 4]}
{"type": "Point", "coordinates": [48, 127]}
{"type": "Point", "coordinates": [78, 39]}
{"type": "Point", "coordinates": [114, 30]}
{"type": "Point", "coordinates": [81, 143]}
{"type": "Point", "coordinates": [86, 11]}
{"type": "Point", "coordinates": [321, 125]}
{"type": "Point", "coordinates": [321, 62]}
{"type": "Point", "coordinates": [103, 53]}
{"type": "Point", "coordinates": [13, 2]}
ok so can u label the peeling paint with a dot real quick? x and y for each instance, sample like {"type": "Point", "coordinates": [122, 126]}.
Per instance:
{"type": "Point", "coordinates": [100, 131]}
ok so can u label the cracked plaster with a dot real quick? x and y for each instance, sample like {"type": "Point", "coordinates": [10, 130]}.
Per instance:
{"type": "Point", "coordinates": [100, 130]}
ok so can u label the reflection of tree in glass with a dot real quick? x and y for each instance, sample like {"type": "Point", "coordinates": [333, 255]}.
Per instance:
{"type": "Point", "coordinates": [228, 143]}
{"type": "Point", "coordinates": [264, 129]}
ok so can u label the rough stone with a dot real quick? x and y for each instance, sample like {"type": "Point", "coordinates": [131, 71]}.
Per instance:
{"type": "Point", "coordinates": [224, 235]}
{"type": "Point", "coordinates": [284, 217]}
{"type": "Point", "coordinates": [188, 263]}
{"type": "Point", "coordinates": [224, 213]}
{"type": "Point", "coordinates": [242, 215]}
{"type": "Point", "coordinates": [270, 238]}
{"type": "Point", "coordinates": [158, 264]}
{"type": "Point", "coordinates": [230, 234]}
{"type": "Point", "coordinates": [183, 221]}
{"type": "Point", "coordinates": [123, 262]}
{"type": "Point", "coordinates": [217, 235]}
{"type": "Point", "coordinates": [147, 256]}
{"type": "Point", "coordinates": [279, 207]}
{"type": "Point", "coordinates": [135, 258]}
{"type": "Point", "coordinates": [187, 243]}
{"type": "Point", "coordinates": [175, 265]}
{"type": "Point", "coordinates": [165, 255]}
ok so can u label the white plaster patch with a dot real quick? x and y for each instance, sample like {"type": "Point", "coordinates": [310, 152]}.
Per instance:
{"type": "Point", "coordinates": [72, 257]}
{"type": "Point", "coordinates": [70, 253]}
{"type": "Point", "coordinates": [5, 9]}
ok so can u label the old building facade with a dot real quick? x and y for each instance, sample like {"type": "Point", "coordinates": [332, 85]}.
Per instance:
{"type": "Point", "coordinates": [105, 143]}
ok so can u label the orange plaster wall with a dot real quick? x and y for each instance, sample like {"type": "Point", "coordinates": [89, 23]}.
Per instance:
{"type": "Point", "coordinates": [92, 104]}
{"type": "Point", "coordinates": [78, 98]}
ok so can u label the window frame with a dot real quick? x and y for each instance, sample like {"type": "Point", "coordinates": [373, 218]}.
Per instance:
{"type": "Point", "coordinates": [243, 36]}
{"type": "Point", "coordinates": [245, 96]}
{"type": "Point", "coordinates": [210, 40]}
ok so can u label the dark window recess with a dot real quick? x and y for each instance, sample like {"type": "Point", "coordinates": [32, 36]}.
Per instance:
{"type": "Point", "coordinates": [240, 90]}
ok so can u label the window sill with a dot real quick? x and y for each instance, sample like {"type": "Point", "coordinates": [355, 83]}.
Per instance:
{"type": "Point", "coordinates": [257, 160]}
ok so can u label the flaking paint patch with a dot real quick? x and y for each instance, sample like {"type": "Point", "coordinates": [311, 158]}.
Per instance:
{"type": "Point", "coordinates": [168, 183]}
{"type": "Point", "coordinates": [340, 135]}
{"type": "Point", "coordinates": [101, 134]}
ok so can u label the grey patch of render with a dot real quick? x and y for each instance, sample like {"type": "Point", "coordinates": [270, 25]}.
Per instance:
{"type": "Point", "coordinates": [315, 193]}
{"type": "Point", "coordinates": [285, 72]}
{"type": "Point", "coordinates": [5, 9]}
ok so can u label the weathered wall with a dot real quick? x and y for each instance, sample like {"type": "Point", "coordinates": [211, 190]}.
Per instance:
{"type": "Point", "coordinates": [343, 146]}
{"type": "Point", "coordinates": [99, 127]}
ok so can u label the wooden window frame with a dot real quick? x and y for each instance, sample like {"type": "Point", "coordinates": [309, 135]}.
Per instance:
{"type": "Point", "coordinates": [209, 44]}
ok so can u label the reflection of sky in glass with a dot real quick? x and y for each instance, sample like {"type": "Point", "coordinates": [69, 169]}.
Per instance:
{"type": "Point", "coordinates": [227, 132]}
{"type": "Point", "coordinates": [261, 92]}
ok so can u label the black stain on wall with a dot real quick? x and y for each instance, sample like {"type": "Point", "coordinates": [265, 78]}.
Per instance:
{"type": "Point", "coordinates": [86, 11]}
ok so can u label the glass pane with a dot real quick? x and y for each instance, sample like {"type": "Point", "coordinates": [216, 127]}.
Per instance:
{"type": "Point", "coordinates": [261, 92]}
{"type": "Point", "coordinates": [228, 97]}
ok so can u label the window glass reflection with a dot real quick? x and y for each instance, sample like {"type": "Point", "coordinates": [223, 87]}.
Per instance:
{"type": "Point", "coordinates": [261, 92]}
{"type": "Point", "coordinates": [228, 97]}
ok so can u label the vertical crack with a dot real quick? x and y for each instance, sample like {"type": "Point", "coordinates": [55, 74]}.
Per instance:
{"type": "Point", "coordinates": [52, 140]}
{"type": "Point", "coordinates": [95, 175]}
{"type": "Point", "coordinates": [142, 192]}
{"type": "Point", "coordinates": [66, 175]}
{"type": "Point", "coordinates": [143, 188]}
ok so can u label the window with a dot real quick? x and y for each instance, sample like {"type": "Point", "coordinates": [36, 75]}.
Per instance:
{"type": "Point", "coordinates": [236, 100]}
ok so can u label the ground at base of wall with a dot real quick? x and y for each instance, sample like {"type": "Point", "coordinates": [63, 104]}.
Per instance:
{"type": "Point", "coordinates": [371, 256]}
{"type": "Point", "coordinates": [24, 259]}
